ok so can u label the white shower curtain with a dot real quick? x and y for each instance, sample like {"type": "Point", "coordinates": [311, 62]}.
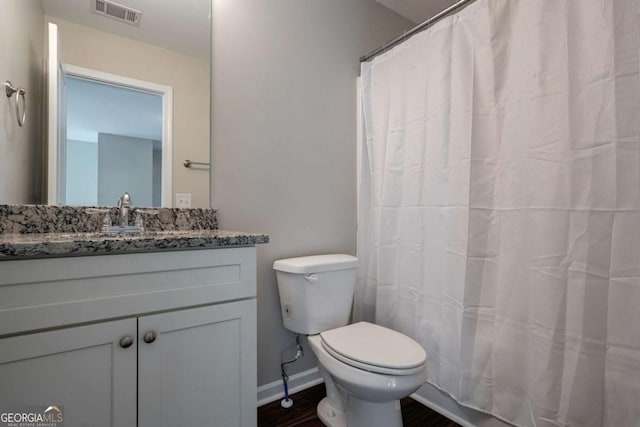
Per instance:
{"type": "Point", "coordinates": [499, 207]}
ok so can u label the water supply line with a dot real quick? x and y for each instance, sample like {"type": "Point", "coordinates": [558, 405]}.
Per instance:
{"type": "Point", "coordinates": [286, 402]}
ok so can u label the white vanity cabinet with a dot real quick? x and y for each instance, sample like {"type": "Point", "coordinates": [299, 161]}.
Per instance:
{"type": "Point", "coordinates": [156, 339]}
{"type": "Point", "coordinates": [82, 368]}
{"type": "Point", "coordinates": [199, 370]}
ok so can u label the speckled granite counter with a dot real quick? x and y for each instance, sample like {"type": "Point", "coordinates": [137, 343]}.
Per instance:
{"type": "Point", "coordinates": [15, 246]}
{"type": "Point", "coordinates": [36, 231]}
{"type": "Point", "coordinates": [37, 219]}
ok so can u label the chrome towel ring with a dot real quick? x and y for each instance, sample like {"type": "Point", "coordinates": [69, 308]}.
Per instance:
{"type": "Point", "coordinates": [20, 95]}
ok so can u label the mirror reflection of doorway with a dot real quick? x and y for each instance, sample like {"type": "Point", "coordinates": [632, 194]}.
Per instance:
{"type": "Point", "coordinates": [114, 144]}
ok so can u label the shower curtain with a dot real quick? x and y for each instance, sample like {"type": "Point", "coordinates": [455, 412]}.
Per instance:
{"type": "Point", "coordinates": [499, 207]}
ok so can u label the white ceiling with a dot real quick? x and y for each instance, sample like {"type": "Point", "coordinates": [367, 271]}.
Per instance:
{"type": "Point", "coordinates": [184, 25]}
{"type": "Point", "coordinates": [417, 10]}
{"type": "Point", "coordinates": [178, 25]}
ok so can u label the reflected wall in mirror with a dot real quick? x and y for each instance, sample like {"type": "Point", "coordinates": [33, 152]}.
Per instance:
{"type": "Point", "coordinates": [170, 47]}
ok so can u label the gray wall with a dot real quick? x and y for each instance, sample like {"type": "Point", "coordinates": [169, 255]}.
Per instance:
{"type": "Point", "coordinates": [82, 173]}
{"type": "Point", "coordinates": [284, 134]}
{"type": "Point", "coordinates": [125, 163]}
{"type": "Point", "coordinates": [21, 62]}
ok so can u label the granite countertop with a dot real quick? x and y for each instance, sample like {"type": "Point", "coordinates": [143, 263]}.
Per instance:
{"type": "Point", "coordinates": [41, 231]}
{"type": "Point", "coordinates": [46, 245]}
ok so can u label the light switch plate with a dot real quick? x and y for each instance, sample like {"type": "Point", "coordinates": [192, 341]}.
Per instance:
{"type": "Point", "coordinates": [183, 200]}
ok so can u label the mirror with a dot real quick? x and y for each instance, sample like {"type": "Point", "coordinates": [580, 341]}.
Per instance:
{"type": "Point", "coordinates": [157, 52]}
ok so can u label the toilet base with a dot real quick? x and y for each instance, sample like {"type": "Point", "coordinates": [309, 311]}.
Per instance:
{"type": "Point", "coordinates": [329, 415]}
{"type": "Point", "coordinates": [361, 413]}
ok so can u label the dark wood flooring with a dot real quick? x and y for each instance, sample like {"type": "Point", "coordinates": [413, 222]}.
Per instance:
{"type": "Point", "coordinates": [303, 412]}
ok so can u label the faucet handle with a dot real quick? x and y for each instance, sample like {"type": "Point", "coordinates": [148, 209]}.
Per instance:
{"type": "Point", "coordinates": [139, 221]}
{"type": "Point", "coordinates": [106, 221]}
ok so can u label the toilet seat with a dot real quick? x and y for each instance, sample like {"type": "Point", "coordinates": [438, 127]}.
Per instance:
{"type": "Point", "coordinates": [374, 348]}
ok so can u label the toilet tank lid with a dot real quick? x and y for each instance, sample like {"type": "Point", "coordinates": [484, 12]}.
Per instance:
{"type": "Point", "coordinates": [316, 263]}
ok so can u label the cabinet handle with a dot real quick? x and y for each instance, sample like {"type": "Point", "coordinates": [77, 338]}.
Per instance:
{"type": "Point", "coordinates": [149, 337]}
{"type": "Point", "coordinates": [126, 341]}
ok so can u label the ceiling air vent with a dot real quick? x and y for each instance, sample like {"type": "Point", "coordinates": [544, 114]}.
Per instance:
{"type": "Point", "coordinates": [116, 11]}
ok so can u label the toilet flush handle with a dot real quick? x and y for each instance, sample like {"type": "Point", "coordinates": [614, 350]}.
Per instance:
{"type": "Point", "coordinates": [311, 277]}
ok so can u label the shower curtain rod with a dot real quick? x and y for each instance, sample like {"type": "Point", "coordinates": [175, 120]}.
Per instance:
{"type": "Point", "coordinates": [426, 24]}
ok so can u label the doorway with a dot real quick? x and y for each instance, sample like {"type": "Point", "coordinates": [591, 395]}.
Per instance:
{"type": "Point", "coordinates": [117, 140]}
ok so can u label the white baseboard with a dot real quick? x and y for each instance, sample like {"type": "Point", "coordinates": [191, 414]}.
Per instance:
{"type": "Point", "coordinates": [444, 404]}
{"type": "Point", "coordinates": [297, 382]}
{"type": "Point", "coordinates": [428, 395]}
{"type": "Point", "coordinates": [439, 409]}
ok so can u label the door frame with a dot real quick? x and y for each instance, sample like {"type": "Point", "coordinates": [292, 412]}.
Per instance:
{"type": "Point", "coordinates": [166, 92]}
{"type": "Point", "coordinates": [54, 69]}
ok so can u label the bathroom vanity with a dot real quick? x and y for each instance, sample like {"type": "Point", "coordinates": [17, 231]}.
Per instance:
{"type": "Point", "coordinates": [151, 330]}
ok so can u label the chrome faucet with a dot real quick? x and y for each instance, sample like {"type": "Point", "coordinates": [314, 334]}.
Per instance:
{"type": "Point", "coordinates": [124, 205]}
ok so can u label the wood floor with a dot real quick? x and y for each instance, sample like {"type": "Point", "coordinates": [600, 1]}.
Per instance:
{"type": "Point", "coordinates": [303, 412]}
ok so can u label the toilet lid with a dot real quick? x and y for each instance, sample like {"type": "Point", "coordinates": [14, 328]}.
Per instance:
{"type": "Point", "coordinates": [374, 348]}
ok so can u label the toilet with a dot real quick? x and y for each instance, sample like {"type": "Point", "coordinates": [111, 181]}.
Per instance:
{"type": "Point", "coordinates": [366, 368]}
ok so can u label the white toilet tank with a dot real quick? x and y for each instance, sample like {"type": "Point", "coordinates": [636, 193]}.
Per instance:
{"type": "Point", "coordinates": [316, 292]}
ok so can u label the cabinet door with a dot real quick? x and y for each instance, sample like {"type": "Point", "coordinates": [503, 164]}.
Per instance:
{"type": "Point", "coordinates": [84, 369]}
{"type": "Point", "coordinates": [200, 370]}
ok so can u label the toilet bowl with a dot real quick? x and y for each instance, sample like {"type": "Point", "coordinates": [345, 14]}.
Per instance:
{"type": "Point", "coordinates": [366, 368]}
{"type": "Point", "coordinates": [363, 394]}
